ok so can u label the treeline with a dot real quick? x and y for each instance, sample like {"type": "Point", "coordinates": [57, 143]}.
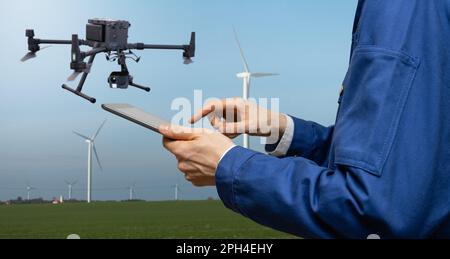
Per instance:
{"type": "Point", "coordinates": [20, 200]}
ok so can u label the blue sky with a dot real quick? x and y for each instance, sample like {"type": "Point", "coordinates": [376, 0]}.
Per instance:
{"type": "Point", "coordinates": [307, 42]}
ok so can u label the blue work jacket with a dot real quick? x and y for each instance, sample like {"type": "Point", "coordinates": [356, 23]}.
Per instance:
{"type": "Point", "coordinates": [384, 168]}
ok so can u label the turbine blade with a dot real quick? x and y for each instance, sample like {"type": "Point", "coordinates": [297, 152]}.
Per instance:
{"type": "Point", "coordinates": [98, 130]}
{"type": "Point", "coordinates": [258, 75]}
{"type": "Point", "coordinates": [244, 60]}
{"type": "Point", "coordinates": [96, 157]}
{"type": "Point", "coordinates": [81, 135]}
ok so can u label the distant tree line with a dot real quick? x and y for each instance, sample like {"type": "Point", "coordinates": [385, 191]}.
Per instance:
{"type": "Point", "coordinates": [19, 200]}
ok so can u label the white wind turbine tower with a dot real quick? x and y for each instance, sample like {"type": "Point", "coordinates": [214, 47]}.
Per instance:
{"type": "Point", "coordinates": [70, 185]}
{"type": "Point", "coordinates": [29, 189]}
{"type": "Point", "coordinates": [131, 190]}
{"type": "Point", "coordinates": [91, 150]}
{"type": "Point", "coordinates": [246, 77]}
{"type": "Point", "coordinates": [176, 189]}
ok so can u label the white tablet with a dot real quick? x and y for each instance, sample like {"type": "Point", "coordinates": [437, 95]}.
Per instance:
{"type": "Point", "coordinates": [136, 115]}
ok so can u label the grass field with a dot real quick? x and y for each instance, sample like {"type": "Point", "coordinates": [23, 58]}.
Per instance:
{"type": "Point", "coordinates": [182, 219]}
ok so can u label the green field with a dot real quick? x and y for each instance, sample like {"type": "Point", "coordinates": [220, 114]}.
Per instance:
{"type": "Point", "coordinates": [182, 219]}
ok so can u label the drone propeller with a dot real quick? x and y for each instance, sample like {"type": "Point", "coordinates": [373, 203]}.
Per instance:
{"type": "Point", "coordinates": [189, 51]}
{"type": "Point", "coordinates": [32, 54]}
{"type": "Point", "coordinates": [73, 76]}
{"type": "Point", "coordinates": [187, 61]}
{"type": "Point", "coordinates": [28, 56]}
{"type": "Point", "coordinates": [76, 74]}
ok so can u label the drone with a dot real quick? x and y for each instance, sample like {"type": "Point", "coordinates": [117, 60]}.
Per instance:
{"type": "Point", "coordinates": [109, 37]}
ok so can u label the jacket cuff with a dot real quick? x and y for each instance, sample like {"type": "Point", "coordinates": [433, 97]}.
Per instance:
{"type": "Point", "coordinates": [227, 172]}
{"type": "Point", "coordinates": [281, 148]}
{"type": "Point", "coordinates": [303, 139]}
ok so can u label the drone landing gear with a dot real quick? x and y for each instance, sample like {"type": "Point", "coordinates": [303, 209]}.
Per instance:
{"type": "Point", "coordinates": [117, 80]}
{"type": "Point", "coordinates": [147, 89]}
{"type": "Point", "coordinates": [79, 93]}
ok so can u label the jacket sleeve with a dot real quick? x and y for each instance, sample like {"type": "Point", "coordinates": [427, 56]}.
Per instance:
{"type": "Point", "coordinates": [295, 195]}
{"type": "Point", "coordinates": [310, 140]}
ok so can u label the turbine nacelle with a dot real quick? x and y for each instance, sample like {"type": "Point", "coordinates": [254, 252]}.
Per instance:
{"type": "Point", "coordinates": [244, 75]}
{"type": "Point", "coordinates": [255, 75]}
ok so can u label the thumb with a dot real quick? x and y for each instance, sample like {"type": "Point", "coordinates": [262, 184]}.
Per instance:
{"type": "Point", "coordinates": [178, 133]}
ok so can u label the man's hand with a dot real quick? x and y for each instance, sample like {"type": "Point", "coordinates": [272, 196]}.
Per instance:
{"type": "Point", "coordinates": [233, 117]}
{"type": "Point", "coordinates": [198, 152]}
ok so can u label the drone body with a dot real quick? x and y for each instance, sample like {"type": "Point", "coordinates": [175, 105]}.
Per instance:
{"type": "Point", "coordinates": [109, 37]}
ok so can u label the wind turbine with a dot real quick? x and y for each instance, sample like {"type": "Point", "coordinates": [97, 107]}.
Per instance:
{"type": "Point", "coordinates": [70, 185]}
{"type": "Point", "coordinates": [246, 78]}
{"type": "Point", "coordinates": [29, 189]}
{"type": "Point", "coordinates": [91, 150]}
{"type": "Point", "coordinates": [131, 190]}
{"type": "Point", "coordinates": [177, 189]}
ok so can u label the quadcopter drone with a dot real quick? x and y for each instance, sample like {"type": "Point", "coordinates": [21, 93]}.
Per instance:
{"type": "Point", "coordinates": [109, 37]}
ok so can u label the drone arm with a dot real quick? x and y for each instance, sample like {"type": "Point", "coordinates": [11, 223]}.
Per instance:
{"type": "Point", "coordinates": [168, 47]}
{"type": "Point", "coordinates": [60, 42]}
{"type": "Point", "coordinates": [189, 50]}
{"type": "Point", "coordinates": [33, 43]}
{"type": "Point", "coordinates": [94, 52]}
{"type": "Point", "coordinates": [142, 46]}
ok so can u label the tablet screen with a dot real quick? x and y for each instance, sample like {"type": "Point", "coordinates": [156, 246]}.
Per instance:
{"type": "Point", "coordinates": [136, 115]}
